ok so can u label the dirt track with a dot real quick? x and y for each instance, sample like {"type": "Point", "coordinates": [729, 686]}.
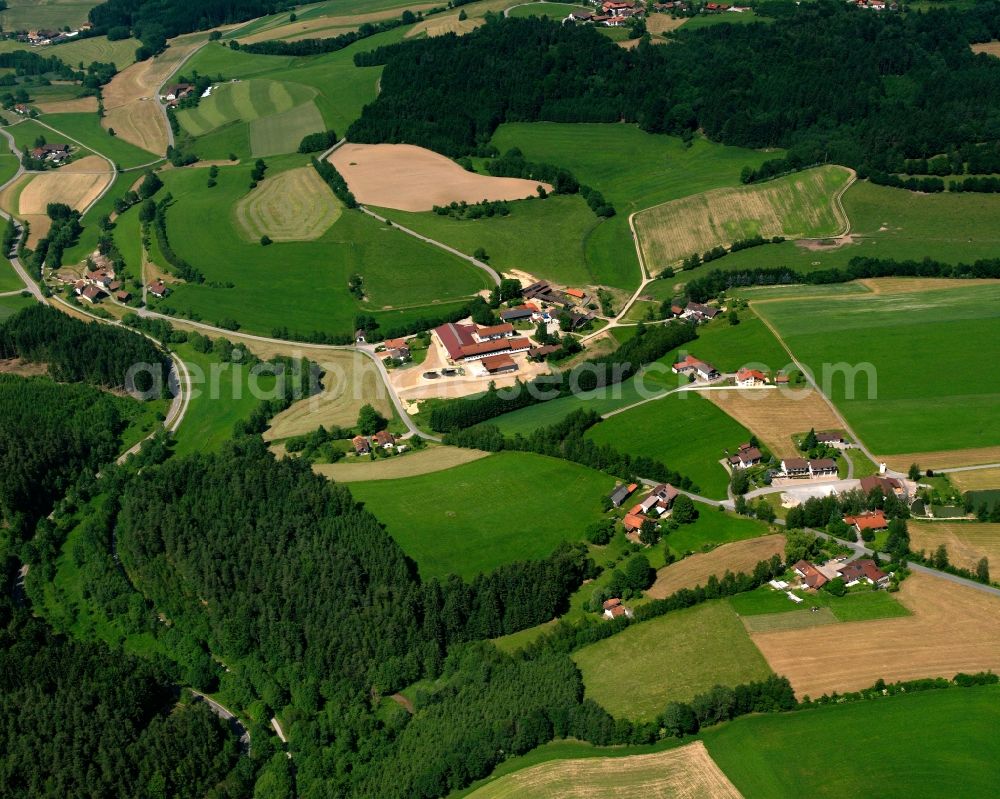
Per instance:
{"type": "Point", "coordinates": [952, 629]}
{"type": "Point", "coordinates": [410, 178]}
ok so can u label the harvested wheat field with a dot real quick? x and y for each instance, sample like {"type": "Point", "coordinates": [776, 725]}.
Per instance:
{"type": "Point", "coordinates": [976, 479]}
{"type": "Point", "coordinates": [943, 459]}
{"type": "Point", "coordinates": [85, 105]}
{"type": "Point", "coordinates": [804, 205]}
{"type": "Point", "coordinates": [953, 628]}
{"type": "Point", "coordinates": [131, 104]}
{"type": "Point", "coordinates": [908, 285]}
{"type": "Point", "coordinates": [739, 556]}
{"type": "Point", "coordinates": [411, 178]}
{"type": "Point", "coordinates": [77, 184]}
{"type": "Point", "coordinates": [325, 26]}
{"type": "Point", "coordinates": [774, 415]}
{"type": "Point", "coordinates": [292, 206]}
{"type": "Point", "coordinates": [663, 23]}
{"type": "Point", "coordinates": [350, 380]}
{"type": "Point", "coordinates": [411, 464]}
{"type": "Point", "coordinates": [441, 24]}
{"type": "Point", "coordinates": [967, 542]}
{"type": "Point", "coordinates": [687, 772]}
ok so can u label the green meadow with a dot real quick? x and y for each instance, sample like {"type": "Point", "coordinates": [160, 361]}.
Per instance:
{"type": "Point", "coordinates": [221, 396]}
{"type": "Point", "coordinates": [658, 168]}
{"type": "Point", "coordinates": [554, 11]}
{"type": "Point", "coordinates": [33, 14]}
{"type": "Point", "coordinates": [121, 53]}
{"type": "Point", "coordinates": [14, 303]}
{"type": "Point", "coordinates": [673, 657]}
{"type": "Point", "coordinates": [86, 128]}
{"type": "Point", "coordinates": [713, 528]}
{"type": "Point", "coordinates": [685, 431]}
{"type": "Point", "coordinates": [895, 224]}
{"type": "Point", "coordinates": [302, 285]}
{"type": "Point", "coordinates": [931, 744]}
{"type": "Point", "coordinates": [918, 387]}
{"type": "Point", "coordinates": [729, 347]}
{"type": "Point", "coordinates": [472, 518]}
{"type": "Point", "coordinates": [277, 99]}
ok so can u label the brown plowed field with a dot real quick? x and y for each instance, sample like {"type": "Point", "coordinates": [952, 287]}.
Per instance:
{"type": "Point", "coordinates": [953, 629]}
{"type": "Point", "coordinates": [410, 178]}
{"type": "Point", "coordinates": [775, 415]}
{"type": "Point", "coordinates": [739, 556]}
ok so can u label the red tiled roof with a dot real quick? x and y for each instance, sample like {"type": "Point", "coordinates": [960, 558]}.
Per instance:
{"type": "Point", "coordinates": [611, 603]}
{"type": "Point", "coordinates": [633, 521]}
{"type": "Point", "coordinates": [811, 576]}
{"type": "Point", "coordinates": [495, 363]}
{"type": "Point", "coordinates": [486, 347]}
{"type": "Point", "coordinates": [868, 521]}
{"type": "Point", "coordinates": [454, 337]}
{"type": "Point", "coordinates": [496, 330]}
{"type": "Point", "coordinates": [747, 374]}
{"type": "Point", "coordinates": [578, 293]}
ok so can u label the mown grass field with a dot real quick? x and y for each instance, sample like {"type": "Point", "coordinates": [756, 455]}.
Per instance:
{"type": "Point", "coordinates": [86, 128]}
{"type": "Point", "coordinates": [896, 224]}
{"type": "Point", "coordinates": [658, 169]}
{"type": "Point", "coordinates": [712, 528]}
{"type": "Point", "coordinates": [336, 88]}
{"type": "Point", "coordinates": [966, 542]}
{"type": "Point", "coordinates": [555, 11]}
{"type": "Point", "coordinates": [302, 285]}
{"type": "Point", "coordinates": [221, 397]}
{"type": "Point", "coordinates": [8, 162]}
{"type": "Point", "coordinates": [33, 14]}
{"type": "Point", "coordinates": [295, 205]}
{"type": "Point", "coordinates": [796, 206]}
{"type": "Point", "coordinates": [730, 347]}
{"type": "Point", "coordinates": [635, 673]}
{"type": "Point", "coordinates": [955, 752]}
{"type": "Point", "coordinates": [475, 517]}
{"type": "Point", "coordinates": [11, 305]}
{"type": "Point", "coordinates": [685, 431]}
{"type": "Point", "coordinates": [951, 404]}
{"type": "Point", "coordinates": [121, 53]}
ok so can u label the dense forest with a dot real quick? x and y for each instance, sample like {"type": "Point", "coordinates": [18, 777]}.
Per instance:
{"type": "Point", "coordinates": [76, 351]}
{"type": "Point", "coordinates": [49, 435]}
{"type": "Point", "coordinates": [876, 89]}
{"type": "Point", "coordinates": [82, 721]}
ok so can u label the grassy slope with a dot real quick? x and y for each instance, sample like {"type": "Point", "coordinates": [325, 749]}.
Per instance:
{"type": "Point", "coordinates": [800, 205]}
{"type": "Point", "coordinates": [87, 129]}
{"type": "Point", "coordinates": [31, 14]}
{"type": "Point", "coordinates": [955, 752]}
{"type": "Point", "coordinates": [684, 431]}
{"type": "Point", "coordinates": [729, 347]}
{"type": "Point", "coordinates": [712, 528]}
{"type": "Point", "coordinates": [302, 285]}
{"type": "Point", "coordinates": [636, 672]}
{"type": "Point", "coordinates": [11, 305]}
{"type": "Point", "coordinates": [121, 53]}
{"type": "Point", "coordinates": [657, 169]}
{"type": "Point", "coordinates": [554, 11]}
{"type": "Point", "coordinates": [222, 398]}
{"type": "Point", "coordinates": [500, 509]}
{"type": "Point", "coordinates": [949, 403]}
{"type": "Point", "coordinates": [898, 224]}
{"type": "Point", "coordinates": [855, 606]}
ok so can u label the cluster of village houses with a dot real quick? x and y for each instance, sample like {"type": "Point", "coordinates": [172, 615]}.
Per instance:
{"type": "Point", "coordinates": [100, 282]}
{"type": "Point", "coordinates": [615, 14]}
{"type": "Point", "coordinates": [41, 37]}
{"type": "Point", "coordinates": [491, 347]}
{"type": "Point", "coordinates": [813, 576]}
{"type": "Point", "coordinates": [54, 154]}
{"type": "Point", "coordinates": [383, 439]}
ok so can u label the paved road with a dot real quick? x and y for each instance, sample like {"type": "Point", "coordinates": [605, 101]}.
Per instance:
{"type": "Point", "coordinates": [489, 270]}
{"type": "Point", "coordinates": [226, 714]}
{"type": "Point", "coordinates": [367, 350]}
{"type": "Point", "coordinates": [967, 468]}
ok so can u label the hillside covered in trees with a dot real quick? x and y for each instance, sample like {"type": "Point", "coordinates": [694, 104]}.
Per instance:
{"type": "Point", "coordinates": [874, 90]}
{"type": "Point", "coordinates": [75, 351]}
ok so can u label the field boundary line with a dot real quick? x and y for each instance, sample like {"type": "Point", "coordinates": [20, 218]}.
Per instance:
{"type": "Point", "coordinates": [114, 166]}
{"type": "Point", "coordinates": [489, 270]}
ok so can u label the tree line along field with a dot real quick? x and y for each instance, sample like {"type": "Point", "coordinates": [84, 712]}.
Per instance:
{"type": "Point", "coordinates": [946, 407]}
{"type": "Point", "coordinates": [568, 243]}
{"type": "Point", "coordinates": [802, 205]}
{"type": "Point", "coordinates": [301, 285]}
{"type": "Point", "coordinates": [316, 17]}
{"type": "Point", "coordinates": [121, 52]}
{"type": "Point", "coordinates": [472, 518]}
{"type": "Point", "coordinates": [893, 223]}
